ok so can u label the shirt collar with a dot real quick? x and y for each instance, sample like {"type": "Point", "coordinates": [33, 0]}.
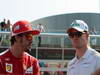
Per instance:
{"type": "Point", "coordinates": [87, 53]}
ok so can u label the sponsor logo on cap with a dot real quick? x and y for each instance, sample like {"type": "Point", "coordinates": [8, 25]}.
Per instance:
{"type": "Point", "coordinates": [16, 28]}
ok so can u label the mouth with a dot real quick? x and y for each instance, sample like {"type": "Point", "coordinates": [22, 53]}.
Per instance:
{"type": "Point", "coordinates": [30, 45]}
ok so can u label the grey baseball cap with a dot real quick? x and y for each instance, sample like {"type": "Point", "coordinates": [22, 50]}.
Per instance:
{"type": "Point", "coordinates": [79, 25]}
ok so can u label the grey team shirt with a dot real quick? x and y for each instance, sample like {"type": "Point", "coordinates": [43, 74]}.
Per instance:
{"type": "Point", "coordinates": [85, 65]}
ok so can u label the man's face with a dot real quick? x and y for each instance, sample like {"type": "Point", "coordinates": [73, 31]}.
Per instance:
{"type": "Point", "coordinates": [79, 39]}
{"type": "Point", "coordinates": [26, 41]}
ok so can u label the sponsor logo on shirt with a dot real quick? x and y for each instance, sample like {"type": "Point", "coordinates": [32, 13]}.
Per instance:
{"type": "Point", "coordinates": [7, 59]}
{"type": "Point", "coordinates": [9, 67]}
{"type": "Point", "coordinates": [29, 70]}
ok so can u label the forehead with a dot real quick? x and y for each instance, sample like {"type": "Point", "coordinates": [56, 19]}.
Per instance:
{"type": "Point", "coordinates": [28, 33]}
{"type": "Point", "coordinates": [72, 30]}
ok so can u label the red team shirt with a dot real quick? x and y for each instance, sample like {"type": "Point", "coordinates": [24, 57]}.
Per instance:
{"type": "Point", "coordinates": [11, 65]}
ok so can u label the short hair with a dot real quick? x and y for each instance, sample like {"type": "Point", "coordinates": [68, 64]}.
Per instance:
{"type": "Point", "coordinates": [13, 39]}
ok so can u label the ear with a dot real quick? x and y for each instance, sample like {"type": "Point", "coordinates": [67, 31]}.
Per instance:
{"type": "Point", "coordinates": [18, 38]}
{"type": "Point", "coordinates": [87, 35]}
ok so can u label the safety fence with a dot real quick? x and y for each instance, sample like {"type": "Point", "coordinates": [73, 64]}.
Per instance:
{"type": "Point", "coordinates": [55, 51]}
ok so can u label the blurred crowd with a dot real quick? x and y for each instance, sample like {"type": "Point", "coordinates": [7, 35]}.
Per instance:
{"type": "Point", "coordinates": [5, 25]}
{"type": "Point", "coordinates": [52, 65]}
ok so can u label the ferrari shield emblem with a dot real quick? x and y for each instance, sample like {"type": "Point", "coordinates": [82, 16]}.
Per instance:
{"type": "Point", "coordinates": [9, 68]}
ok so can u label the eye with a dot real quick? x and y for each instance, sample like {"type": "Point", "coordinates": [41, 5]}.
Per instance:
{"type": "Point", "coordinates": [75, 34]}
{"type": "Point", "coordinates": [29, 36]}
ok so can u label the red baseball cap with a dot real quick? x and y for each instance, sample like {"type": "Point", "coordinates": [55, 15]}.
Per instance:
{"type": "Point", "coordinates": [23, 26]}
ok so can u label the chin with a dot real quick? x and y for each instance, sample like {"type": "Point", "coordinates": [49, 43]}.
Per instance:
{"type": "Point", "coordinates": [29, 48]}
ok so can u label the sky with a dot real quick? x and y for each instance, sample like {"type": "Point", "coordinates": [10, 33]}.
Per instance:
{"type": "Point", "coordinates": [35, 9]}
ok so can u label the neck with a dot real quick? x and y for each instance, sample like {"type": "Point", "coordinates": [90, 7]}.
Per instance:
{"type": "Point", "coordinates": [80, 52]}
{"type": "Point", "coordinates": [17, 51]}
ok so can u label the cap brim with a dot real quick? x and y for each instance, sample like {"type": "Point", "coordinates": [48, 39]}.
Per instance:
{"type": "Point", "coordinates": [33, 32]}
{"type": "Point", "coordinates": [76, 28]}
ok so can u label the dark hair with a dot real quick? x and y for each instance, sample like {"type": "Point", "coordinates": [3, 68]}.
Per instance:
{"type": "Point", "coordinates": [13, 39]}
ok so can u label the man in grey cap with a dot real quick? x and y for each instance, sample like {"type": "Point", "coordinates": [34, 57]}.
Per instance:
{"type": "Point", "coordinates": [86, 59]}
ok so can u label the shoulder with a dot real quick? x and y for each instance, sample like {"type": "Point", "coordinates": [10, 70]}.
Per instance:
{"type": "Point", "coordinates": [4, 53]}
{"type": "Point", "coordinates": [30, 57]}
{"type": "Point", "coordinates": [96, 57]}
{"type": "Point", "coordinates": [95, 53]}
{"type": "Point", "coordinates": [31, 60]}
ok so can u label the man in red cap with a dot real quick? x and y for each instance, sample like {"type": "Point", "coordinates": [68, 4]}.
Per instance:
{"type": "Point", "coordinates": [16, 60]}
